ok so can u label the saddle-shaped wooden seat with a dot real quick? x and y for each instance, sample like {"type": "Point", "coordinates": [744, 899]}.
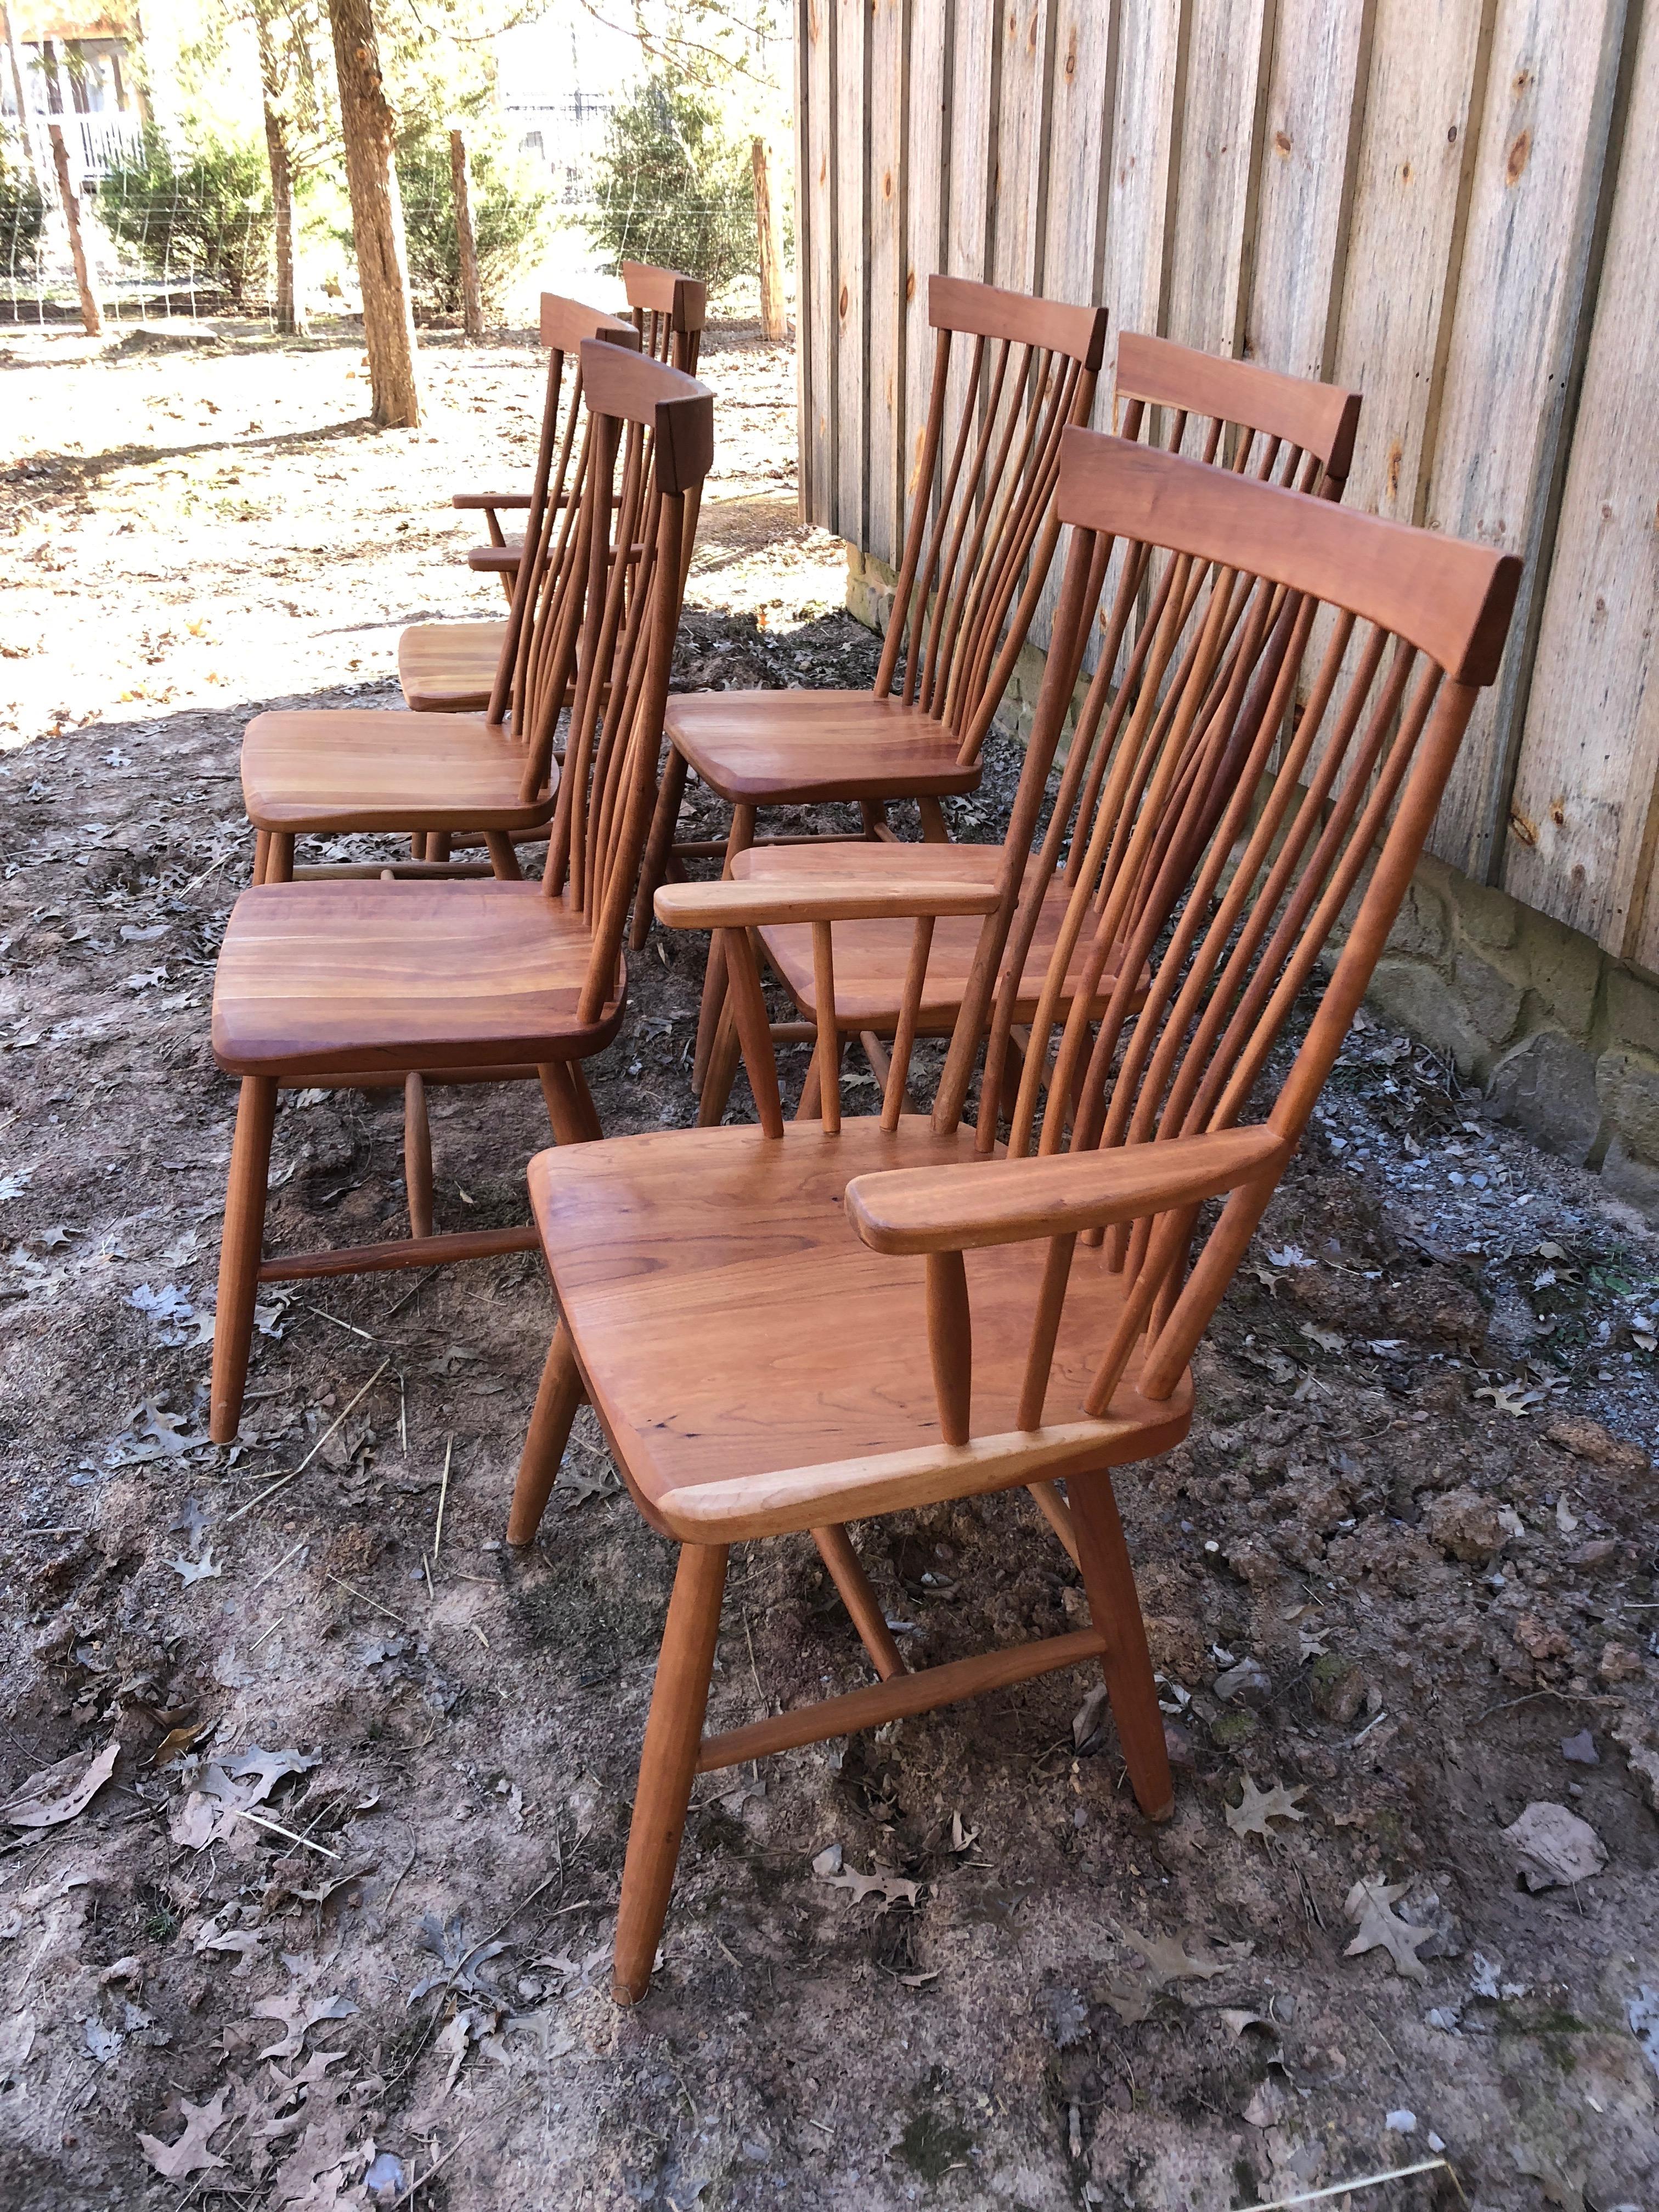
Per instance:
{"type": "Point", "coordinates": [801, 748]}
{"type": "Point", "coordinates": [871, 957]}
{"type": "Point", "coordinates": [312, 774]}
{"type": "Point", "coordinates": [449, 668]}
{"type": "Point", "coordinates": [338, 978]}
{"type": "Point", "coordinates": [666, 1246]}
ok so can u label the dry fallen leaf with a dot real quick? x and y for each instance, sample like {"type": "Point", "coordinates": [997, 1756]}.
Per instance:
{"type": "Point", "coordinates": [1166, 1957]}
{"type": "Point", "coordinates": [1553, 1848]}
{"type": "Point", "coordinates": [1250, 1816]}
{"type": "Point", "coordinates": [297, 2013]}
{"type": "Point", "coordinates": [1368, 1903]}
{"type": "Point", "coordinates": [58, 1793]}
{"type": "Point", "coordinates": [228, 1787]}
{"type": "Point", "coordinates": [190, 2154]}
{"type": "Point", "coordinates": [891, 1888]}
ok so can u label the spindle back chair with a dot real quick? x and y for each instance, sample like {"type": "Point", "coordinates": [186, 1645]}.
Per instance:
{"type": "Point", "coordinates": [563, 324]}
{"type": "Point", "coordinates": [1232, 414]}
{"type": "Point", "coordinates": [360, 985]}
{"type": "Point", "coordinates": [1010, 373]}
{"type": "Point", "coordinates": [451, 783]}
{"type": "Point", "coordinates": [670, 310]}
{"type": "Point", "coordinates": [963, 1323]}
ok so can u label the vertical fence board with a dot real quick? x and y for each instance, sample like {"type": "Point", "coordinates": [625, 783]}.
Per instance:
{"type": "Point", "coordinates": [1309, 138]}
{"type": "Point", "coordinates": [889, 58]}
{"type": "Point", "coordinates": [852, 267]}
{"type": "Point", "coordinates": [817, 246]}
{"type": "Point", "coordinates": [1519, 297]}
{"type": "Point", "coordinates": [1151, 35]}
{"type": "Point", "coordinates": [1022, 119]}
{"type": "Point", "coordinates": [926, 167]}
{"type": "Point", "coordinates": [969, 212]}
{"type": "Point", "coordinates": [1582, 845]}
{"type": "Point", "coordinates": [1219, 161]}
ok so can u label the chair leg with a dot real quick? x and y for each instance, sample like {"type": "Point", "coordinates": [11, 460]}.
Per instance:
{"type": "Point", "coordinates": [721, 1074]}
{"type": "Point", "coordinates": [570, 1107]}
{"type": "Point", "coordinates": [847, 1572]}
{"type": "Point", "coordinates": [417, 1156]}
{"type": "Point", "coordinates": [1109, 1580]}
{"type": "Point", "coordinates": [560, 1393]}
{"type": "Point", "coordinates": [502, 857]}
{"type": "Point", "coordinates": [238, 1254]}
{"type": "Point", "coordinates": [741, 836]}
{"type": "Point", "coordinates": [668, 1764]}
{"type": "Point", "coordinates": [279, 859]}
{"type": "Point", "coordinates": [933, 828]}
{"type": "Point", "coordinates": [811, 1091]}
{"type": "Point", "coordinates": [261, 851]}
{"type": "Point", "coordinates": [660, 844]}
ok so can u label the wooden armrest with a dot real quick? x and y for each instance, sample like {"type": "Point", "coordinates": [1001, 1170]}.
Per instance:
{"type": "Point", "coordinates": [477, 499]}
{"type": "Point", "coordinates": [960, 1209]}
{"type": "Point", "coordinates": [751, 904]}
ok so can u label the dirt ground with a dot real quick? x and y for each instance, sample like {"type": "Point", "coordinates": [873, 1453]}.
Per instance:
{"type": "Point", "coordinates": [335, 1917]}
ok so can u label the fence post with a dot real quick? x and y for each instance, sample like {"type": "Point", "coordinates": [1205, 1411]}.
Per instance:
{"type": "Point", "coordinates": [773, 324]}
{"type": "Point", "coordinates": [25, 121]}
{"type": "Point", "coordinates": [90, 314]}
{"type": "Point", "coordinates": [471, 297]}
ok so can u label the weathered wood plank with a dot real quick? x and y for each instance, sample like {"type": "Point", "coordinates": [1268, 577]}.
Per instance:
{"type": "Point", "coordinates": [1538, 176]}
{"type": "Point", "coordinates": [1225, 103]}
{"type": "Point", "coordinates": [852, 266]}
{"type": "Point", "coordinates": [970, 211]}
{"type": "Point", "coordinates": [1145, 135]}
{"type": "Point", "coordinates": [889, 68]}
{"type": "Point", "coordinates": [1304, 187]}
{"type": "Point", "coordinates": [927, 184]}
{"type": "Point", "coordinates": [1582, 823]}
{"type": "Point", "coordinates": [816, 245]}
{"type": "Point", "coordinates": [1021, 176]}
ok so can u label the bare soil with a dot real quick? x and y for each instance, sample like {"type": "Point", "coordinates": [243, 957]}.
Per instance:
{"type": "Point", "coordinates": [1402, 1576]}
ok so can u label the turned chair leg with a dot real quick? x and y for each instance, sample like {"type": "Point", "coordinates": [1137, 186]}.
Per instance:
{"type": "Point", "coordinates": [502, 857]}
{"type": "Point", "coordinates": [659, 846]}
{"type": "Point", "coordinates": [715, 1094]}
{"type": "Point", "coordinates": [569, 1102]}
{"type": "Point", "coordinates": [261, 853]}
{"type": "Point", "coordinates": [1115, 1608]}
{"type": "Point", "coordinates": [668, 1764]}
{"type": "Point", "coordinates": [847, 1572]}
{"type": "Point", "coordinates": [279, 859]}
{"type": "Point", "coordinates": [238, 1254]}
{"type": "Point", "coordinates": [417, 1156]}
{"type": "Point", "coordinates": [738, 840]}
{"type": "Point", "coordinates": [560, 1393]}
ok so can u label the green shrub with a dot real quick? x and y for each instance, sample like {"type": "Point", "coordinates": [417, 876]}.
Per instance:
{"type": "Point", "coordinates": [209, 222]}
{"type": "Point", "coordinates": [506, 223]}
{"type": "Point", "coordinates": [22, 219]}
{"type": "Point", "coordinates": [674, 188]}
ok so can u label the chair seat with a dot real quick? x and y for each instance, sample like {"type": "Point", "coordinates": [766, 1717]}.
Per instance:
{"type": "Point", "coordinates": [873, 958]}
{"type": "Point", "coordinates": [758, 1368]}
{"type": "Point", "coordinates": [449, 668]}
{"type": "Point", "coordinates": [325, 978]}
{"type": "Point", "coordinates": [803, 748]}
{"type": "Point", "coordinates": [361, 768]}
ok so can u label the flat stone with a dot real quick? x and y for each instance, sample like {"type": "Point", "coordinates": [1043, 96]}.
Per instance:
{"type": "Point", "coordinates": [1546, 1085]}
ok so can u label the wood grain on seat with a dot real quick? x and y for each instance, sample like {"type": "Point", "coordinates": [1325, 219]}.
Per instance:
{"type": "Point", "coordinates": [664, 1249]}
{"type": "Point", "coordinates": [799, 748]}
{"type": "Point", "coordinates": [871, 959]}
{"type": "Point", "coordinates": [319, 978]}
{"type": "Point", "coordinates": [364, 769]}
{"type": "Point", "coordinates": [448, 668]}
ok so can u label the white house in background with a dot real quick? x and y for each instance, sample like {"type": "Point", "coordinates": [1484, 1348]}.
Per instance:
{"type": "Point", "coordinates": [77, 66]}
{"type": "Point", "coordinates": [557, 80]}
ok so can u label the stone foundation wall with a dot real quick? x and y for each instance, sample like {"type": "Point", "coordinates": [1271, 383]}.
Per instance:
{"type": "Point", "coordinates": [1562, 1039]}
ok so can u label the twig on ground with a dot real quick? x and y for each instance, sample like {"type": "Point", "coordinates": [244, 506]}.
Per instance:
{"type": "Point", "coordinates": [443, 1494]}
{"type": "Point", "coordinates": [1361, 2181]}
{"type": "Point", "coordinates": [276, 1827]}
{"type": "Point", "coordinates": [296, 1472]}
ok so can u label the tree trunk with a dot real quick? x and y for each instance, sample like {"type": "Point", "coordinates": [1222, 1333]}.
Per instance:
{"type": "Point", "coordinates": [774, 325]}
{"type": "Point", "coordinates": [377, 216]}
{"type": "Point", "coordinates": [91, 315]}
{"type": "Point", "coordinates": [289, 317]}
{"type": "Point", "coordinates": [25, 124]}
{"type": "Point", "coordinates": [471, 297]}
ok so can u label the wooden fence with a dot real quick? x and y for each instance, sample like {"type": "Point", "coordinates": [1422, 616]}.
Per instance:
{"type": "Point", "coordinates": [1453, 208]}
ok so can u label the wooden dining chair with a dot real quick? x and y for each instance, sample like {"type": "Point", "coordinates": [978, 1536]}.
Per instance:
{"type": "Point", "coordinates": [947, 1316]}
{"type": "Point", "coordinates": [353, 985]}
{"type": "Point", "coordinates": [452, 668]}
{"type": "Point", "coordinates": [669, 310]}
{"type": "Point", "coordinates": [449, 780]}
{"type": "Point", "coordinates": [1010, 373]}
{"type": "Point", "coordinates": [1232, 414]}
